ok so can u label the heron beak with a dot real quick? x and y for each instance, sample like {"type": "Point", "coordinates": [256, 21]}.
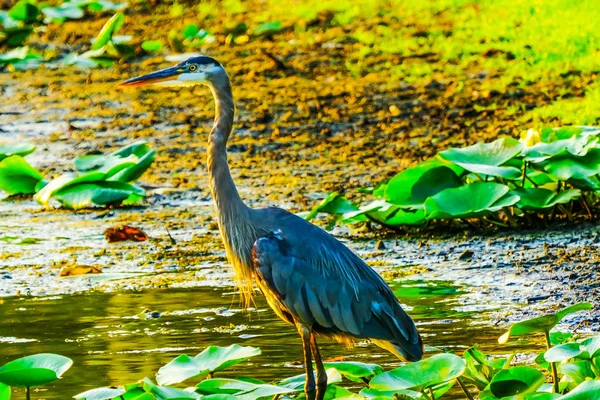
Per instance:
{"type": "Point", "coordinates": [164, 76]}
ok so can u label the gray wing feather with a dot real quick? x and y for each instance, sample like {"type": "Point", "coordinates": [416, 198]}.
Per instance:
{"type": "Point", "coordinates": [322, 282]}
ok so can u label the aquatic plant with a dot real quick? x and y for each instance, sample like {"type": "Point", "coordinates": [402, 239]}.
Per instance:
{"type": "Point", "coordinates": [555, 172]}
{"type": "Point", "coordinates": [575, 375]}
{"type": "Point", "coordinates": [100, 179]}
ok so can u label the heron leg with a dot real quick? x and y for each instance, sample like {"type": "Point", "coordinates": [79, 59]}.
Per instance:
{"type": "Point", "coordinates": [309, 386]}
{"type": "Point", "coordinates": [321, 374]}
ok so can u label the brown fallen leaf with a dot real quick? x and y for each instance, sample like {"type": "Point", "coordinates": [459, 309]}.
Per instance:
{"type": "Point", "coordinates": [79, 270]}
{"type": "Point", "coordinates": [125, 232]}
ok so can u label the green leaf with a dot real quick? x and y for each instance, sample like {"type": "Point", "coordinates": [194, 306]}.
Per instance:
{"type": "Point", "coordinates": [577, 371]}
{"type": "Point", "coordinates": [422, 374]}
{"type": "Point", "coordinates": [537, 198]}
{"type": "Point", "coordinates": [268, 28]}
{"type": "Point", "coordinates": [334, 203]}
{"type": "Point", "coordinates": [4, 391]}
{"type": "Point", "coordinates": [589, 390]}
{"type": "Point", "coordinates": [190, 31]}
{"type": "Point", "coordinates": [17, 176]}
{"type": "Point", "coordinates": [62, 182]}
{"type": "Point", "coordinates": [473, 199]}
{"type": "Point", "coordinates": [516, 380]}
{"type": "Point", "coordinates": [570, 167]}
{"type": "Point", "coordinates": [297, 382]}
{"type": "Point", "coordinates": [592, 346]}
{"type": "Point", "coordinates": [563, 352]}
{"type": "Point", "coordinates": [67, 10]}
{"type": "Point", "coordinates": [370, 393]}
{"type": "Point", "coordinates": [22, 149]}
{"type": "Point", "coordinates": [165, 392]}
{"type": "Point", "coordinates": [34, 370]}
{"type": "Point", "coordinates": [124, 165]}
{"type": "Point", "coordinates": [212, 359]}
{"type": "Point", "coordinates": [152, 46]}
{"type": "Point", "coordinates": [241, 389]}
{"type": "Point", "coordinates": [541, 324]}
{"type": "Point", "coordinates": [355, 371]}
{"type": "Point", "coordinates": [577, 145]}
{"type": "Point", "coordinates": [108, 30]}
{"type": "Point", "coordinates": [413, 185]}
{"type": "Point", "coordinates": [487, 158]}
{"type": "Point", "coordinates": [14, 36]}
{"type": "Point", "coordinates": [103, 393]}
{"type": "Point", "coordinates": [96, 193]}
{"type": "Point", "coordinates": [24, 10]}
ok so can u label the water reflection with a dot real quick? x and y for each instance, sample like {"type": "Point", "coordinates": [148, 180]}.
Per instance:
{"type": "Point", "coordinates": [116, 338]}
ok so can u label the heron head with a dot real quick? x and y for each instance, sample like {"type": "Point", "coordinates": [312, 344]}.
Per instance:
{"type": "Point", "coordinates": [193, 71]}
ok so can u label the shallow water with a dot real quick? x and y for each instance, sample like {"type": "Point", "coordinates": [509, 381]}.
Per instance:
{"type": "Point", "coordinates": [117, 338]}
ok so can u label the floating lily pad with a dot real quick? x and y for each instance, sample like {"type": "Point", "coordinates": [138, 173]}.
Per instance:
{"type": "Point", "coordinates": [568, 167]}
{"type": "Point", "coordinates": [541, 324]}
{"type": "Point", "coordinates": [21, 149]}
{"type": "Point", "coordinates": [212, 359]}
{"type": "Point", "coordinates": [24, 10]}
{"type": "Point", "coordinates": [35, 370]}
{"type": "Point", "coordinates": [421, 375]}
{"type": "Point", "coordinates": [241, 389]}
{"type": "Point", "coordinates": [99, 193]}
{"type": "Point", "coordinates": [4, 391]}
{"type": "Point", "coordinates": [577, 371]}
{"type": "Point", "coordinates": [537, 198]}
{"type": "Point", "coordinates": [487, 158]}
{"type": "Point", "coordinates": [165, 392]}
{"type": "Point", "coordinates": [516, 381]}
{"type": "Point", "coordinates": [108, 30]}
{"type": "Point", "coordinates": [104, 393]}
{"type": "Point", "coordinates": [355, 371]}
{"type": "Point", "coordinates": [17, 176]}
{"type": "Point", "coordinates": [474, 199]}
{"type": "Point", "coordinates": [334, 203]}
{"type": "Point", "coordinates": [414, 185]}
{"type": "Point", "coordinates": [297, 382]}
{"type": "Point", "coordinates": [589, 390]}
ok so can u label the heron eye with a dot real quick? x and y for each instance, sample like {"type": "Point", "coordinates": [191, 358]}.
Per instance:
{"type": "Point", "coordinates": [193, 68]}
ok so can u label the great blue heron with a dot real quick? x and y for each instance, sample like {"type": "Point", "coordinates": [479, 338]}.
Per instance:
{"type": "Point", "coordinates": [309, 278]}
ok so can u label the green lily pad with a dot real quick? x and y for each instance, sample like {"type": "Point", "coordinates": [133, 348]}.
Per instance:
{"type": "Point", "coordinates": [17, 176]}
{"type": "Point", "coordinates": [268, 28]}
{"type": "Point", "coordinates": [212, 359]}
{"type": "Point", "coordinates": [563, 352]}
{"type": "Point", "coordinates": [589, 390]}
{"type": "Point", "coordinates": [124, 165]}
{"type": "Point", "coordinates": [14, 36]}
{"type": "Point", "coordinates": [537, 198]}
{"type": "Point", "coordinates": [577, 371]}
{"type": "Point", "coordinates": [24, 10]}
{"type": "Point", "coordinates": [104, 393]}
{"type": "Point", "coordinates": [487, 158]}
{"type": "Point", "coordinates": [516, 380]}
{"type": "Point", "coordinates": [541, 324]}
{"type": "Point", "coordinates": [334, 203]}
{"type": "Point", "coordinates": [421, 375]}
{"type": "Point", "coordinates": [370, 393]}
{"type": "Point", "coordinates": [571, 167]}
{"type": "Point", "coordinates": [22, 149]}
{"type": "Point", "coordinates": [296, 382]}
{"type": "Point", "coordinates": [166, 392]}
{"type": "Point", "coordinates": [355, 371]}
{"type": "Point", "coordinates": [108, 30]}
{"type": "Point", "coordinates": [473, 199]}
{"type": "Point", "coordinates": [67, 10]}
{"type": "Point", "coordinates": [62, 182]}
{"type": "Point", "coordinates": [479, 369]}
{"type": "Point", "coordinates": [4, 391]}
{"type": "Point", "coordinates": [152, 46]}
{"type": "Point", "coordinates": [241, 389]}
{"type": "Point", "coordinates": [98, 193]}
{"type": "Point", "coordinates": [413, 185]}
{"type": "Point", "coordinates": [576, 145]}
{"type": "Point", "coordinates": [34, 370]}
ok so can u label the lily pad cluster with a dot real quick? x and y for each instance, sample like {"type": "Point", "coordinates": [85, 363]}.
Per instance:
{"type": "Point", "coordinates": [99, 180]}
{"type": "Point", "coordinates": [20, 21]}
{"type": "Point", "coordinates": [576, 376]}
{"type": "Point", "coordinates": [553, 172]}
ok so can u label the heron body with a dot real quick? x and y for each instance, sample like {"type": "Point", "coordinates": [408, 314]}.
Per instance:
{"type": "Point", "coordinates": [309, 278]}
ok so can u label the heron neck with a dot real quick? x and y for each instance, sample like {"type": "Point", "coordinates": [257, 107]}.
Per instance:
{"type": "Point", "coordinates": [227, 199]}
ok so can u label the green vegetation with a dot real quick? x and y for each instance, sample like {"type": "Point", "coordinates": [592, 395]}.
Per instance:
{"type": "Point", "coordinates": [505, 182]}
{"type": "Point", "coordinates": [101, 180]}
{"type": "Point", "coordinates": [575, 366]}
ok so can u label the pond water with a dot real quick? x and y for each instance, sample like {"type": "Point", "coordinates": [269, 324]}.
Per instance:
{"type": "Point", "coordinates": [117, 338]}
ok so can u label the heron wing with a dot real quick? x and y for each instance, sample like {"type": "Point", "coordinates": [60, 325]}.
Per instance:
{"type": "Point", "coordinates": [325, 285]}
